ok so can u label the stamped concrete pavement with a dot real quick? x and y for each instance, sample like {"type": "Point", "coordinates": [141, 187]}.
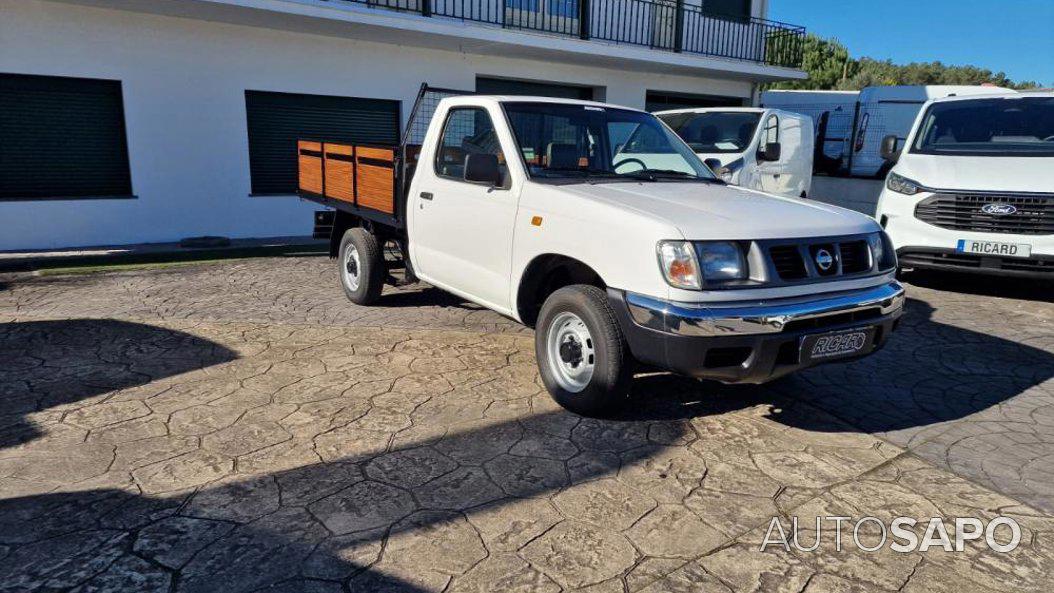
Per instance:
{"type": "Point", "coordinates": [241, 427]}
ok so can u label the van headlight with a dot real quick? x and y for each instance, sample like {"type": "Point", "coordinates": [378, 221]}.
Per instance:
{"type": "Point", "coordinates": [902, 185]}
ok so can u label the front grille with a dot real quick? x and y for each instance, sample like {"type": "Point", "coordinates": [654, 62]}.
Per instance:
{"type": "Point", "coordinates": [788, 262]}
{"type": "Point", "coordinates": [833, 320]}
{"type": "Point", "coordinates": [801, 261]}
{"type": "Point", "coordinates": [966, 261]}
{"type": "Point", "coordinates": [856, 257]}
{"type": "Point", "coordinates": [1034, 215]}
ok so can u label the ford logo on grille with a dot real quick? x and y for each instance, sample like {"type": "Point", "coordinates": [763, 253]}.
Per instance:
{"type": "Point", "coordinates": [824, 259]}
{"type": "Point", "coordinates": [999, 209]}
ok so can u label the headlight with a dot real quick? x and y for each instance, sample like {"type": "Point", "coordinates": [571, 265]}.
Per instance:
{"type": "Point", "coordinates": [679, 266]}
{"type": "Point", "coordinates": [882, 251]}
{"type": "Point", "coordinates": [902, 185]}
{"type": "Point", "coordinates": [721, 260]}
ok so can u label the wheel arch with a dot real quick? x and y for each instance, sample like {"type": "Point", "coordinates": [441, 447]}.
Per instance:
{"type": "Point", "coordinates": [544, 275]}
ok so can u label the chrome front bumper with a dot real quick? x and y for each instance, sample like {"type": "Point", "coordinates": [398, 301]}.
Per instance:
{"type": "Point", "coordinates": [763, 317]}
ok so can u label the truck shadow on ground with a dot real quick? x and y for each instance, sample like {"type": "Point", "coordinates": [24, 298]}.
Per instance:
{"type": "Point", "coordinates": [48, 364]}
{"type": "Point", "coordinates": [321, 527]}
{"type": "Point", "coordinates": [928, 373]}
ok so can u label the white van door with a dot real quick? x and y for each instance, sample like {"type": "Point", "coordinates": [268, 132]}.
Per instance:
{"type": "Point", "coordinates": [770, 173]}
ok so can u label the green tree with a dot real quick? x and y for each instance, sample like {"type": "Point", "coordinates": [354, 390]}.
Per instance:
{"type": "Point", "coordinates": [830, 67]}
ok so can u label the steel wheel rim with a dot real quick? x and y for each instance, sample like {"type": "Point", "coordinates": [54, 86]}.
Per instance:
{"type": "Point", "coordinates": [570, 351]}
{"type": "Point", "coordinates": [351, 267]}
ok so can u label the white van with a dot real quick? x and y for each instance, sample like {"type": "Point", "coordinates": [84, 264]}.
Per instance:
{"type": "Point", "coordinates": [973, 188]}
{"type": "Point", "coordinates": [853, 123]}
{"type": "Point", "coordinates": [890, 111]}
{"type": "Point", "coordinates": [832, 114]}
{"type": "Point", "coordinates": [765, 149]}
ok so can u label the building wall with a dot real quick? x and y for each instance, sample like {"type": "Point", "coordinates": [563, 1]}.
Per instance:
{"type": "Point", "coordinates": [183, 84]}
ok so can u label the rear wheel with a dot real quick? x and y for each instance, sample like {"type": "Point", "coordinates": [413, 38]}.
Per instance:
{"type": "Point", "coordinates": [361, 266]}
{"type": "Point", "coordinates": [582, 355]}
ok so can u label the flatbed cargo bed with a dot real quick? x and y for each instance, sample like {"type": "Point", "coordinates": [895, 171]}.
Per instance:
{"type": "Point", "coordinates": [368, 180]}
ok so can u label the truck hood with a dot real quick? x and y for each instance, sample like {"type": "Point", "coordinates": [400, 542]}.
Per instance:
{"type": "Point", "coordinates": [1009, 174]}
{"type": "Point", "coordinates": [704, 211]}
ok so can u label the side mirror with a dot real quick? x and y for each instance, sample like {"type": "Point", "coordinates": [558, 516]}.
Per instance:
{"type": "Point", "coordinates": [770, 152]}
{"type": "Point", "coordinates": [890, 151]}
{"type": "Point", "coordinates": [483, 168]}
{"type": "Point", "coordinates": [714, 164]}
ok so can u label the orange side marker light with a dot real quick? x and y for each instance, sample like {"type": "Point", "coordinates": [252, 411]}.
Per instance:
{"type": "Point", "coordinates": [536, 221]}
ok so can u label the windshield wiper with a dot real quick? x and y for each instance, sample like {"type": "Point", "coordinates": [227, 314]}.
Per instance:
{"type": "Point", "coordinates": [586, 171]}
{"type": "Point", "coordinates": [654, 174]}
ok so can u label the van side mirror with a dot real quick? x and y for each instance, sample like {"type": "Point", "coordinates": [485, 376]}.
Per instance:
{"type": "Point", "coordinates": [714, 164]}
{"type": "Point", "coordinates": [890, 151]}
{"type": "Point", "coordinates": [770, 152]}
{"type": "Point", "coordinates": [483, 168]}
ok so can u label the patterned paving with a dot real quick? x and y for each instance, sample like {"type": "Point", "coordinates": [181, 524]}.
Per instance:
{"type": "Point", "coordinates": [241, 427]}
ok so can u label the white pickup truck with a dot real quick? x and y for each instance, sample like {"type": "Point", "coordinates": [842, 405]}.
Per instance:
{"type": "Point", "coordinates": [599, 226]}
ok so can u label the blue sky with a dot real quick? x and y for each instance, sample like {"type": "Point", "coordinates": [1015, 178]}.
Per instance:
{"type": "Point", "coordinates": [1013, 36]}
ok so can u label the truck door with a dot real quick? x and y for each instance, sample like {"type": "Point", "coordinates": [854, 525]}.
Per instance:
{"type": "Point", "coordinates": [461, 232]}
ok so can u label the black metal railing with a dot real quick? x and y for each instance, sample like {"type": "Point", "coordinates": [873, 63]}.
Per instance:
{"type": "Point", "coordinates": [659, 24]}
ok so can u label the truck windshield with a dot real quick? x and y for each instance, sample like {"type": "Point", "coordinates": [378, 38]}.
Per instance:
{"type": "Point", "coordinates": [561, 141]}
{"type": "Point", "coordinates": [715, 131]}
{"type": "Point", "coordinates": [1020, 126]}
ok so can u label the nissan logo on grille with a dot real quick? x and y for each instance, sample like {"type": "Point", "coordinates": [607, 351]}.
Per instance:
{"type": "Point", "coordinates": [824, 259]}
{"type": "Point", "coordinates": [999, 209]}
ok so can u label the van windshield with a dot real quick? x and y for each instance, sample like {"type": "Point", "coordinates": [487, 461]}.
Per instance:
{"type": "Point", "coordinates": [1020, 126]}
{"type": "Point", "coordinates": [568, 142]}
{"type": "Point", "coordinates": [715, 131]}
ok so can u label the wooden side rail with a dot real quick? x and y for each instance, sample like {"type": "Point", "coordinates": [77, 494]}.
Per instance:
{"type": "Point", "coordinates": [360, 175]}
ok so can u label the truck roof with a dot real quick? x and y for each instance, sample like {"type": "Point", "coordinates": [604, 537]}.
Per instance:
{"type": "Point", "coordinates": [1005, 95]}
{"type": "Point", "coordinates": [477, 99]}
{"type": "Point", "coordinates": [780, 112]}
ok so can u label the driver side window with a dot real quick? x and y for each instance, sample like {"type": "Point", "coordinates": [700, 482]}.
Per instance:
{"type": "Point", "coordinates": [772, 131]}
{"type": "Point", "coordinates": [467, 130]}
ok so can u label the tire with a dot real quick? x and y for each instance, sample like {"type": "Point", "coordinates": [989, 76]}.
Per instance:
{"type": "Point", "coordinates": [360, 266]}
{"type": "Point", "coordinates": [575, 326]}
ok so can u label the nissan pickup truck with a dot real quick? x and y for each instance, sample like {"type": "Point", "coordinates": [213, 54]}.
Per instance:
{"type": "Point", "coordinates": [598, 226]}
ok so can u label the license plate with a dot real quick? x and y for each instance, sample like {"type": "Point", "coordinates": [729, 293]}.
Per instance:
{"type": "Point", "coordinates": [994, 248]}
{"type": "Point", "coordinates": [835, 345]}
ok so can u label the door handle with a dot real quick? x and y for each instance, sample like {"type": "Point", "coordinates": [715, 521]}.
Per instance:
{"type": "Point", "coordinates": [426, 195]}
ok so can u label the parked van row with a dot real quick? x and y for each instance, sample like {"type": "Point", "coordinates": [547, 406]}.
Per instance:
{"type": "Point", "coordinates": [851, 124]}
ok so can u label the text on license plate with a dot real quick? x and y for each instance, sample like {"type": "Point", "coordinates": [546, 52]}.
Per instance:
{"type": "Point", "coordinates": [837, 345]}
{"type": "Point", "coordinates": [994, 248]}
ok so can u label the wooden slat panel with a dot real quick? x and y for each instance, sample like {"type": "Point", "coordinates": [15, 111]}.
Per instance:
{"type": "Point", "coordinates": [370, 152]}
{"type": "Point", "coordinates": [340, 174]}
{"type": "Point", "coordinates": [309, 167]}
{"type": "Point", "coordinates": [344, 149]}
{"type": "Point", "coordinates": [376, 183]}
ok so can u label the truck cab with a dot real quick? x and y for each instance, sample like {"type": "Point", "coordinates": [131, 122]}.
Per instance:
{"type": "Point", "coordinates": [599, 227]}
{"type": "Point", "coordinates": [766, 149]}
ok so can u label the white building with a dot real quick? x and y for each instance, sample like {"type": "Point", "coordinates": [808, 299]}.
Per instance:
{"type": "Point", "coordinates": [131, 121]}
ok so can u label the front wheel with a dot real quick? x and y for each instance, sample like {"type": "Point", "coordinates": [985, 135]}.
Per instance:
{"type": "Point", "coordinates": [361, 266]}
{"type": "Point", "coordinates": [582, 355]}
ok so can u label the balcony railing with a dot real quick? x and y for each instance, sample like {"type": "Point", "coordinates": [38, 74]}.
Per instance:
{"type": "Point", "coordinates": [658, 24]}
